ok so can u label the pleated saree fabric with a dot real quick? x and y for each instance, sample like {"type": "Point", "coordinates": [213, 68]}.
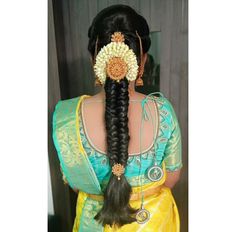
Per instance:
{"type": "Point", "coordinates": [88, 170]}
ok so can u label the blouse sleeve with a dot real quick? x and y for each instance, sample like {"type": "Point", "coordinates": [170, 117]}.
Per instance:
{"type": "Point", "coordinates": [63, 176]}
{"type": "Point", "coordinates": [173, 150]}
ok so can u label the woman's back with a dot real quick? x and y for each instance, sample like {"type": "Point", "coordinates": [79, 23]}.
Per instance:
{"type": "Point", "coordinates": [92, 112]}
{"type": "Point", "coordinates": [88, 170]}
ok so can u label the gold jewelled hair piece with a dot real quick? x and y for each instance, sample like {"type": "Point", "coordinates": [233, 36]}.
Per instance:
{"type": "Point", "coordinates": [139, 81]}
{"type": "Point", "coordinates": [118, 170]}
{"type": "Point", "coordinates": [116, 60]}
{"type": "Point", "coordinates": [116, 68]}
{"type": "Point", "coordinates": [117, 37]}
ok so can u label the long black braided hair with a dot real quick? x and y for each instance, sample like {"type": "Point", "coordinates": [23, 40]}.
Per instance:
{"type": "Point", "coordinates": [116, 208]}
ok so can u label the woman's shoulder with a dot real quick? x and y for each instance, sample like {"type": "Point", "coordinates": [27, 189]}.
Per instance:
{"type": "Point", "coordinates": [165, 106]}
{"type": "Point", "coordinates": [166, 102]}
{"type": "Point", "coordinates": [68, 104]}
{"type": "Point", "coordinates": [160, 98]}
{"type": "Point", "coordinates": [66, 110]}
{"type": "Point", "coordinates": [68, 101]}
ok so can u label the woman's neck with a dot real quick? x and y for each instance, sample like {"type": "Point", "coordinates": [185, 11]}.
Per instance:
{"type": "Point", "coordinates": [133, 94]}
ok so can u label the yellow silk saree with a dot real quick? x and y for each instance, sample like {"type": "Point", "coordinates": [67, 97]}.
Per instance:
{"type": "Point", "coordinates": [88, 170]}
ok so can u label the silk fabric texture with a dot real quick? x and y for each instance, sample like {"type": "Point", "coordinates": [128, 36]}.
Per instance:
{"type": "Point", "coordinates": [81, 172]}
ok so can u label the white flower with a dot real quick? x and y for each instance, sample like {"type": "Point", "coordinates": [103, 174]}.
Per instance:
{"type": "Point", "coordinates": [116, 49]}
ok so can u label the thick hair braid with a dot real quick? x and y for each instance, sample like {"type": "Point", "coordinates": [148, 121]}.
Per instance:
{"type": "Point", "coordinates": [122, 111]}
{"type": "Point", "coordinates": [117, 192]}
{"type": "Point", "coordinates": [116, 209]}
{"type": "Point", "coordinates": [111, 120]}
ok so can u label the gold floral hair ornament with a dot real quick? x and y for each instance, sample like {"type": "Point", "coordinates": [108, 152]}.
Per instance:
{"type": "Point", "coordinates": [116, 61]}
{"type": "Point", "coordinates": [117, 37]}
{"type": "Point", "coordinates": [118, 170]}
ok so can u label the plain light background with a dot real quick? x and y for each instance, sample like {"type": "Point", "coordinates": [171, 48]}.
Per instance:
{"type": "Point", "coordinates": [23, 92]}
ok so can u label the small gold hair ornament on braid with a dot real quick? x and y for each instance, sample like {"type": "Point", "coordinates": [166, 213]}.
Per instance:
{"type": "Point", "coordinates": [118, 170]}
{"type": "Point", "coordinates": [116, 60]}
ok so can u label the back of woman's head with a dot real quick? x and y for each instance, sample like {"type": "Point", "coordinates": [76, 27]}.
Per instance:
{"type": "Point", "coordinates": [117, 18]}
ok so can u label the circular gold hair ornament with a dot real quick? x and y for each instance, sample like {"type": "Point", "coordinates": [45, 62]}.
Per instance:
{"type": "Point", "coordinates": [118, 170]}
{"type": "Point", "coordinates": [116, 60]}
{"type": "Point", "coordinates": [116, 68]}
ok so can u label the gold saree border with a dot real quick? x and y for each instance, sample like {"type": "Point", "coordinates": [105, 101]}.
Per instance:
{"type": "Point", "coordinates": [82, 196]}
{"type": "Point", "coordinates": [81, 148]}
{"type": "Point", "coordinates": [80, 145]}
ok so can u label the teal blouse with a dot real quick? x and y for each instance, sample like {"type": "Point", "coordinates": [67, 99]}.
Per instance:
{"type": "Point", "coordinates": [86, 169]}
{"type": "Point", "coordinates": [167, 147]}
{"type": "Point", "coordinates": [167, 144]}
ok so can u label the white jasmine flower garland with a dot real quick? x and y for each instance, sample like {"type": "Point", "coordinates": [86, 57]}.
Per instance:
{"type": "Point", "coordinates": [116, 49]}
